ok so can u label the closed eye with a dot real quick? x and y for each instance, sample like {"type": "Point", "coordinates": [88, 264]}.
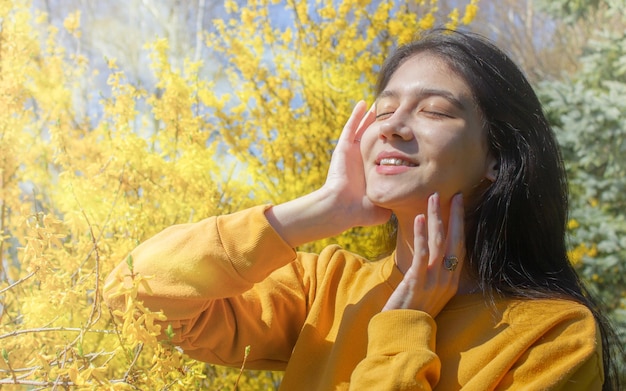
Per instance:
{"type": "Point", "coordinates": [436, 114]}
{"type": "Point", "coordinates": [385, 115]}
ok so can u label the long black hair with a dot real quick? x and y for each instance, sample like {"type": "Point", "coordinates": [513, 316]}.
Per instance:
{"type": "Point", "coordinates": [516, 230]}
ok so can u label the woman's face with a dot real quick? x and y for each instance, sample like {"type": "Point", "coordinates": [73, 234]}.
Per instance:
{"type": "Point", "coordinates": [428, 137]}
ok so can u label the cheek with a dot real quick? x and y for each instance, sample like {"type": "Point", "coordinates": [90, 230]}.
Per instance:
{"type": "Point", "coordinates": [467, 147]}
{"type": "Point", "coordinates": [466, 157]}
{"type": "Point", "coordinates": [472, 166]}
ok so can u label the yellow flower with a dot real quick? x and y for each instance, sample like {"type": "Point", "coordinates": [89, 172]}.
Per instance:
{"type": "Point", "coordinates": [231, 6]}
{"type": "Point", "coordinates": [577, 254]}
{"type": "Point", "coordinates": [573, 224]}
{"type": "Point", "coordinates": [470, 12]}
{"type": "Point", "coordinates": [72, 23]}
{"type": "Point", "coordinates": [454, 19]}
{"type": "Point", "coordinates": [427, 22]}
{"type": "Point", "coordinates": [247, 17]}
{"type": "Point", "coordinates": [328, 12]}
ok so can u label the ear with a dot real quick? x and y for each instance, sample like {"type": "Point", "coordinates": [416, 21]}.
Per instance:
{"type": "Point", "coordinates": [491, 168]}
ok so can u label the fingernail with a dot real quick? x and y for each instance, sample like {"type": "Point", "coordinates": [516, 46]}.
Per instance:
{"type": "Point", "coordinates": [459, 199]}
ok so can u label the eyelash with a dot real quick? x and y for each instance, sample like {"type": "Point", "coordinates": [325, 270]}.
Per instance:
{"type": "Point", "coordinates": [428, 112]}
{"type": "Point", "coordinates": [437, 114]}
{"type": "Point", "coordinates": [378, 116]}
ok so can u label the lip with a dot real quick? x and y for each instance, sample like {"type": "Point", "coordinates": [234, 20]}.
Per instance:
{"type": "Point", "coordinates": [393, 169]}
{"type": "Point", "coordinates": [395, 155]}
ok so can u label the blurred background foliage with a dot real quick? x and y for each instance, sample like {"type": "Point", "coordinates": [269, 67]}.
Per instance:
{"type": "Point", "coordinates": [118, 119]}
{"type": "Point", "coordinates": [587, 108]}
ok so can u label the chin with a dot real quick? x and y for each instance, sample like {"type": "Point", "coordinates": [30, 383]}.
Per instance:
{"type": "Point", "coordinates": [397, 200]}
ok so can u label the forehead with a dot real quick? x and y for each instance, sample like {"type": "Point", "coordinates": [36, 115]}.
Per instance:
{"type": "Point", "coordinates": [427, 72]}
{"type": "Point", "coordinates": [424, 76]}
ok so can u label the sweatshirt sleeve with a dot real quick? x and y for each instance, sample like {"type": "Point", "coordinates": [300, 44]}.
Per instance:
{"type": "Point", "coordinates": [564, 354]}
{"type": "Point", "coordinates": [223, 283]}
{"type": "Point", "coordinates": [400, 353]}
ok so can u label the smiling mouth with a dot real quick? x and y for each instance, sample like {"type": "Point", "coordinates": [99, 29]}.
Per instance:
{"type": "Point", "coordinates": [395, 162]}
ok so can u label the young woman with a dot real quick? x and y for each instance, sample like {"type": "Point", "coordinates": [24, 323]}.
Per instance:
{"type": "Point", "coordinates": [478, 293]}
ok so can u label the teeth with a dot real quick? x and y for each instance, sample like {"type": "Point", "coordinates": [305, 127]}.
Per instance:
{"type": "Point", "coordinates": [394, 162]}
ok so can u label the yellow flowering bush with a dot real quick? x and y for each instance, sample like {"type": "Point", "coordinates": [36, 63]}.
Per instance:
{"type": "Point", "coordinates": [80, 188]}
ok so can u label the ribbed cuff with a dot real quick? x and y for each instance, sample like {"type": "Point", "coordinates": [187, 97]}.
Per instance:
{"type": "Point", "coordinates": [252, 245]}
{"type": "Point", "coordinates": [396, 331]}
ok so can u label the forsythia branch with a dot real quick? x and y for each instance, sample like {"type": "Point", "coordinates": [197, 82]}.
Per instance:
{"type": "Point", "coordinates": [54, 329]}
{"type": "Point", "coordinates": [5, 357]}
{"type": "Point", "coordinates": [138, 350]}
{"type": "Point", "coordinates": [25, 382]}
{"type": "Point", "coordinates": [21, 280]}
{"type": "Point", "coordinates": [243, 365]}
{"type": "Point", "coordinates": [95, 308]}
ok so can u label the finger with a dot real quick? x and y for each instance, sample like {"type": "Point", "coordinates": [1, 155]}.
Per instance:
{"type": "Point", "coordinates": [455, 238]}
{"type": "Point", "coordinates": [365, 123]}
{"type": "Point", "coordinates": [420, 246]}
{"type": "Point", "coordinates": [436, 238]}
{"type": "Point", "coordinates": [349, 130]}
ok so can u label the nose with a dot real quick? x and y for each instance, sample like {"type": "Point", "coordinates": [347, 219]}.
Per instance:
{"type": "Point", "coordinates": [396, 127]}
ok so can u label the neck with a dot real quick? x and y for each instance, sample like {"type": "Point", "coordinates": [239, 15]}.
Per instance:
{"type": "Point", "coordinates": [404, 257]}
{"type": "Point", "coordinates": [404, 244]}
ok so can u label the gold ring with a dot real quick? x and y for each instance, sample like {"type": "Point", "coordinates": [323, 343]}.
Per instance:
{"type": "Point", "coordinates": [450, 262]}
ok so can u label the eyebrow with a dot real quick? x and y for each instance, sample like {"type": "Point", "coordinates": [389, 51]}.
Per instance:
{"type": "Point", "coordinates": [422, 93]}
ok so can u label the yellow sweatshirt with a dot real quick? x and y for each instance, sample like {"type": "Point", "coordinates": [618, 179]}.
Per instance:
{"type": "Point", "coordinates": [230, 281]}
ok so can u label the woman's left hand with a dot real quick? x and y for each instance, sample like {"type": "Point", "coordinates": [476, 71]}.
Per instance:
{"type": "Point", "coordinates": [433, 277]}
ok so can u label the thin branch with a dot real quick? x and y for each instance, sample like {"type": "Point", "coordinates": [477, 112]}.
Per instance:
{"type": "Point", "coordinates": [132, 364]}
{"type": "Point", "coordinates": [25, 382]}
{"type": "Point", "coordinates": [96, 301]}
{"type": "Point", "coordinates": [5, 357]}
{"type": "Point", "coordinates": [199, 23]}
{"type": "Point", "coordinates": [243, 365]}
{"type": "Point", "coordinates": [50, 329]}
{"type": "Point", "coordinates": [37, 383]}
{"type": "Point", "coordinates": [21, 280]}
{"type": "Point", "coordinates": [16, 370]}
{"type": "Point", "coordinates": [2, 207]}
{"type": "Point", "coordinates": [106, 220]}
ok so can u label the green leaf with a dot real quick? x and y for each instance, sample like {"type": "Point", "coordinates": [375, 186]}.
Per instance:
{"type": "Point", "coordinates": [129, 262]}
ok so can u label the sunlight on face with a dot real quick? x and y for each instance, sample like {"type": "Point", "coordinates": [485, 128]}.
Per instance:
{"type": "Point", "coordinates": [427, 137]}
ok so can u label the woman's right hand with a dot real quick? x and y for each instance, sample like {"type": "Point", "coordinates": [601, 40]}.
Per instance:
{"type": "Point", "coordinates": [341, 203]}
{"type": "Point", "coordinates": [345, 182]}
